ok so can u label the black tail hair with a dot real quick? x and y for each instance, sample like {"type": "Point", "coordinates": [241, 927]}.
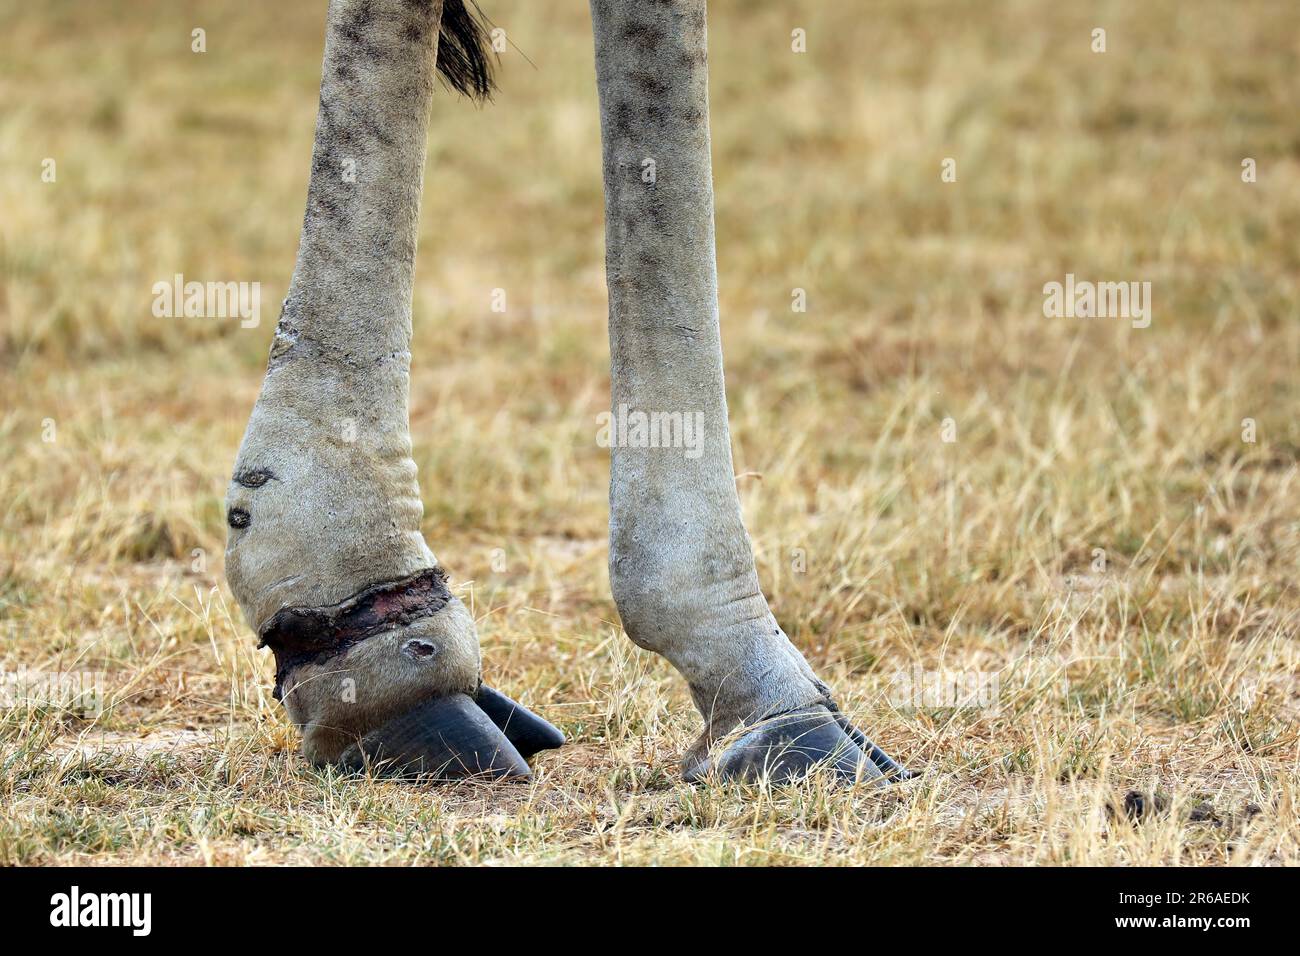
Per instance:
{"type": "Point", "coordinates": [465, 57]}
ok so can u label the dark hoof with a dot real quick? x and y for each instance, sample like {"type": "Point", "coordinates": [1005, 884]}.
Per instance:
{"type": "Point", "coordinates": [890, 769]}
{"type": "Point", "coordinates": [790, 746]}
{"type": "Point", "coordinates": [528, 732]}
{"type": "Point", "coordinates": [446, 738]}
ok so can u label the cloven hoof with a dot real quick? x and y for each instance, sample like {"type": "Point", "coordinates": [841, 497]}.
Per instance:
{"type": "Point", "coordinates": [889, 768]}
{"type": "Point", "coordinates": [455, 738]}
{"type": "Point", "coordinates": [793, 745]}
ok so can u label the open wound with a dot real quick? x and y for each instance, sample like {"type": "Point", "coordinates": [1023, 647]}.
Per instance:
{"type": "Point", "coordinates": [302, 635]}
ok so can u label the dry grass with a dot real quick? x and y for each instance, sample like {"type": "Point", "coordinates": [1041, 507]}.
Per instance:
{"type": "Point", "coordinates": [1173, 669]}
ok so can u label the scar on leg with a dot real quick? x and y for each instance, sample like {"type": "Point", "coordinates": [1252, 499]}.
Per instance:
{"type": "Point", "coordinates": [302, 635]}
{"type": "Point", "coordinates": [254, 477]}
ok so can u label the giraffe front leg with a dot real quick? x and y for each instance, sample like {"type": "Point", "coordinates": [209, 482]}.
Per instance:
{"type": "Point", "coordinates": [681, 563]}
{"type": "Point", "coordinates": [683, 576]}
{"type": "Point", "coordinates": [377, 662]}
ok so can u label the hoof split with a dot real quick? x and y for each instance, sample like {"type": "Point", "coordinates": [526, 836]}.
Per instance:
{"type": "Point", "coordinates": [889, 768]}
{"type": "Point", "coordinates": [457, 737]}
{"type": "Point", "coordinates": [793, 745]}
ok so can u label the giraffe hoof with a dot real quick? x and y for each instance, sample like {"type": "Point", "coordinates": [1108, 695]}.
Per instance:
{"type": "Point", "coordinates": [790, 746]}
{"type": "Point", "coordinates": [442, 739]}
{"type": "Point", "coordinates": [890, 769]}
{"type": "Point", "coordinates": [528, 732]}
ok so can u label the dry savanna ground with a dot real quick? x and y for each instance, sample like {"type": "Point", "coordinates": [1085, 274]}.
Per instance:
{"type": "Point", "coordinates": [1104, 541]}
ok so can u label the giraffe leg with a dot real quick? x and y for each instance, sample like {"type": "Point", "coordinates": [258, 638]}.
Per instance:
{"type": "Point", "coordinates": [377, 660]}
{"type": "Point", "coordinates": [681, 563]}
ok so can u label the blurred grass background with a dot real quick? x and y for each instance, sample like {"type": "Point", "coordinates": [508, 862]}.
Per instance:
{"type": "Point", "coordinates": [924, 304]}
